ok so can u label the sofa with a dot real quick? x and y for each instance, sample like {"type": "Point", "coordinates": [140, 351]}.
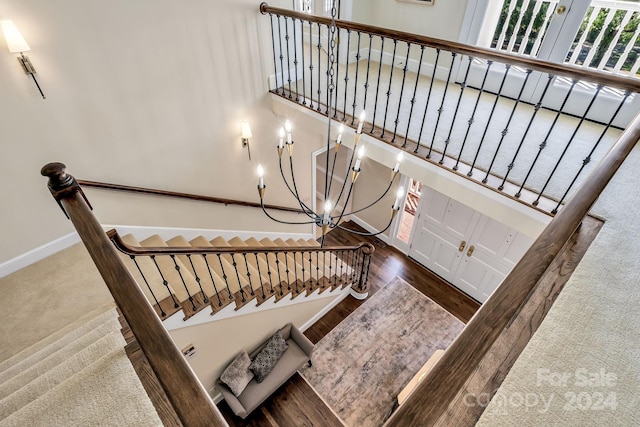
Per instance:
{"type": "Point", "coordinates": [298, 353]}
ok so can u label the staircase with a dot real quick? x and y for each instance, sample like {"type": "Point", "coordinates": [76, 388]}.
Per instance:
{"type": "Point", "coordinates": [80, 375]}
{"type": "Point", "coordinates": [189, 276]}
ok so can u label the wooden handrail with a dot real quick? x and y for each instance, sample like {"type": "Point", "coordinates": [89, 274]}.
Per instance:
{"type": "Point", "coordinates": [190, 400]}
{"type": "Point", "coordinates": [570, 71]}
{"type": "Point", "coordinates": [143, 190]}
{"type": "Point", "coordinates": [124, 247]}
{"type": "Point", "coordinates": [432, 397]}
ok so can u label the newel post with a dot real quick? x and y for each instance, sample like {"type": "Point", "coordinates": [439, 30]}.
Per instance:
{"type": "Point", "coordinates": [61, 184]}
{"type": "Point", "coordinates": [361, 289]}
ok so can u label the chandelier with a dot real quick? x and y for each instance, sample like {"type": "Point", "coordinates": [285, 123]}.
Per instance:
{"type": "Point", "coordinates": [327, 219]}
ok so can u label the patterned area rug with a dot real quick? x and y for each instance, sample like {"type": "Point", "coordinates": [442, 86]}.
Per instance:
{"type": "Point", "coordinates": [361, 365]}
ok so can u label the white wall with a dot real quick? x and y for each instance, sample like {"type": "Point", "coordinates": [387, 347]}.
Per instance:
{"type": "Point", "coordinates": [441, 20]}
{"type": "Point", "coordinates": [147, 93]}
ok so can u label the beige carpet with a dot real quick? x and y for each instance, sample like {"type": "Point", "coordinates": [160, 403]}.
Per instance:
{"type": "Point", "coordinates": [361, 365]}
{"type": "Point", "coordinates": [582, 367]}
{"type": "Point", "coordinates": [43, 298]}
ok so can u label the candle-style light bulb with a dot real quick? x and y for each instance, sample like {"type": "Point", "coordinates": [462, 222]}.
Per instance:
{"type": "Point", "coordinates": [399, 196]}
{"type": "Point", "coordinates": [328, 207]}
{"type": "Point", "coordinates": [340, 131]}
{"type": "Point", "coordinates": [396, 168]}
{"type": "Point", "coordinates": [359, 158]}
{"type": "Point", "coordinates": [361, 118]}
{"type": "Point", "coordinates": [260, 176]}
{"type": "Point", "coordinates": [287, 127]}
{"type": "Point", "coordinates": [281, 140]}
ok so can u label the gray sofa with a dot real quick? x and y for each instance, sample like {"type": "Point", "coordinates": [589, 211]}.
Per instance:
{"type": "Point", "coordinates": [297, 354]}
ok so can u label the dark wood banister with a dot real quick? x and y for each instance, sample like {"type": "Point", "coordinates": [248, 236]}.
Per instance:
{"type": "Point", "coordinates": [143, 190]}
{"type": "Point", "coordinates": [190, 400]}
{"type": "Point", "coordinates": [366, 247]}
{"type": "Point", "coordinates": [440, 386]}
{"type": "Point", "coordinates": [571, 71]}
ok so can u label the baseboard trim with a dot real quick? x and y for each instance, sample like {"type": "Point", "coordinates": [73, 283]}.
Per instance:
{"type": "Point", "coordinates": [35, 255]}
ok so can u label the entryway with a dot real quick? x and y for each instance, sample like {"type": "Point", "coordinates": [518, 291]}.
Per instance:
{"type": "Point", "coordinates": [464, 247]}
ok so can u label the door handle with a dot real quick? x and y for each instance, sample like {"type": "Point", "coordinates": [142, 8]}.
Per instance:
{"type": "Point", "coordinates": [463, 244]}
{"type": "Point", "coordinates": [470, 251]}
{"type": "Point", "coordinates": [561, 9]}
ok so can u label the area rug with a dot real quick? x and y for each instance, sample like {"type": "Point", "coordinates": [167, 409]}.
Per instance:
{"type": "Point", "coordinates": [363, 363]}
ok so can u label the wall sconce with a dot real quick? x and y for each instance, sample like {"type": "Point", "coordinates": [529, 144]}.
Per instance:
{"type": "Point", "coordinates": [246, 134]}
{"type": "Point", "coordinates": [17, 44]}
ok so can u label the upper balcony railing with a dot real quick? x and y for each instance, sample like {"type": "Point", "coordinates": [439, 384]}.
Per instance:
{"type": "Point", "coordinates": [505, 121]}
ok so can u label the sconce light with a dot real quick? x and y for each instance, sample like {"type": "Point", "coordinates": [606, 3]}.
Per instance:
{"type": "Point", "coordinates": [246, 134]}
{"type": "Point", "coordinates": [17, 44]}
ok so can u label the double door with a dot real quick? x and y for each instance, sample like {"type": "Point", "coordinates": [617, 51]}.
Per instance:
{"type": "Point", "coordinates": [464, 247]}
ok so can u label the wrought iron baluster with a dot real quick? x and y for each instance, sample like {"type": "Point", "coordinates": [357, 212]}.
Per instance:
{"type": "Point", "coordinates": [246, 265]}
{"type": "Point", "coordinates": [162, 312]}
{"type": "Point", "coordinates": [346, 76]}
{"type": "Point", "coordinates": [295, 57]}
{"type": "Point", "coordinates": [311, 64]}
{"type": "Point", "coordinates": [286, 40]}
{"type": "Point", "coordinates": [506, 128]}
{"type": "Point", "coordinates": [441, 109]}
{"type": "Point", "coordinates": [165, 283]}
{"type": "Point", "coordinates": [330, 41]}
{"type": "Point", "coordinates": [260, 275]}
{"type": "Point", "coordinates": [304, 91]}
{"type": "Point", "coordinates": [177, 267]}
{"type": "Point", "coordinates": [335, 98]}
{"type": "Point", "coordinates": [473, 114]}
{"type": "Point", "coordinates": [413, 98]}
{"type": "Point", "coordinates": [225, 277]}
{"type": "Point", "coordinates": [463, 85]}
{"type": "Point", "coordinates": [566, 147]}
{"type": "Point", "coordinates": [366, 83]}
{"type": "Point", "coordinates": [206, 261]}
{"type": "Point", "coordinates": [266, 256]}
{"type": "Point", "coordinates": [295, 269]}
{"type": "Point", "coordinates": [386, 107]}
{"type": "Point", "coordinates": [331, 272]}
{"type": "Point", "coordinates": [273, 43]}
{"type": "Point", "coordinates": [318, 268]}
{"type": "Point", "coordinates": [404, 76]}
{"type": "Point", "coordinates": [319, 66]}
{"type": "Point", "coordinates": [426, 107]}
{"type": "Point", "coordinates": [587, 159]}
{"type": "Point", "coordinates": [375, 101]}
{"type": "Point", "coordinates": [526, 132]}
{"type": "Point", "coordinates": [544, 142]}
{"type": "Point", "coordinates": [206, 298]}
{"type": "Point", "coordinates": [281, 56]}
{"type": "Point", "coordinates": [278, 270]}
{"type": "Point", "coordinates": [355, 85]}
{"type": "Point", "coordinates": [507, 67]}
{"type": "Point", "coordinates": [286, 264]}
{"type": "Point", "coordinates": [235, 267]}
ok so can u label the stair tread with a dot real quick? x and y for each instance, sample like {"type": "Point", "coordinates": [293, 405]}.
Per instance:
{"type": "Point", "coordinates": [26, 387]}
{"type": "Point", "coordinates": [41, 361]}
{"type": "Point", "coordinates": [226, 269]}
{"type": "Point", "coordinates": [199, 268]}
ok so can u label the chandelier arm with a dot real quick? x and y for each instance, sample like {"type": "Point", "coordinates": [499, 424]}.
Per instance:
{"type": "Point", "coordinates": [283, 222]}
{"type": "Point", "coordinates": [344, 207]}
{"type": "Point", "coordinates": [360, 233]}
{"type": "Point", "coordinates": [344, 182]}
{"type": "Point", "coordinates": [296, 195]}
{"type": "Point", "coordinates": [377, 200]}
{"type": "Point", "coordinates": [308, 212]}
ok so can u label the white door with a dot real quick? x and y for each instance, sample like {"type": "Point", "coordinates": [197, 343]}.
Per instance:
{"type": "Point", "coordinates": [466, 248]}
{"type": "Point", "coordinates": [440, 232]}
{"type": "Point", "coordinates": [558, 31]}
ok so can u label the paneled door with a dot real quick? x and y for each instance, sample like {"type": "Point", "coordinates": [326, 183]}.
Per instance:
{"type": "Point", "coordinates": [466, 248]}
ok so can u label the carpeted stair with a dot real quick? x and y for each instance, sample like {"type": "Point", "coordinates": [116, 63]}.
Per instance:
{"type": "Point", "coordinates": [192, 283]}
{"type": "Point", "coordinates": [80, 375]}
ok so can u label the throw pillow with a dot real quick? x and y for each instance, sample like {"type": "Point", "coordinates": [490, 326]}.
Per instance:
{"type": "Point", "coordinates": [237, 375]}
{"type": "Point", "coordinates": [264, 361]}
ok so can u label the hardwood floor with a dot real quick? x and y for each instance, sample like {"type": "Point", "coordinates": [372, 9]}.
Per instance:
{"type": "Point", "coordinates": [296, 404]}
